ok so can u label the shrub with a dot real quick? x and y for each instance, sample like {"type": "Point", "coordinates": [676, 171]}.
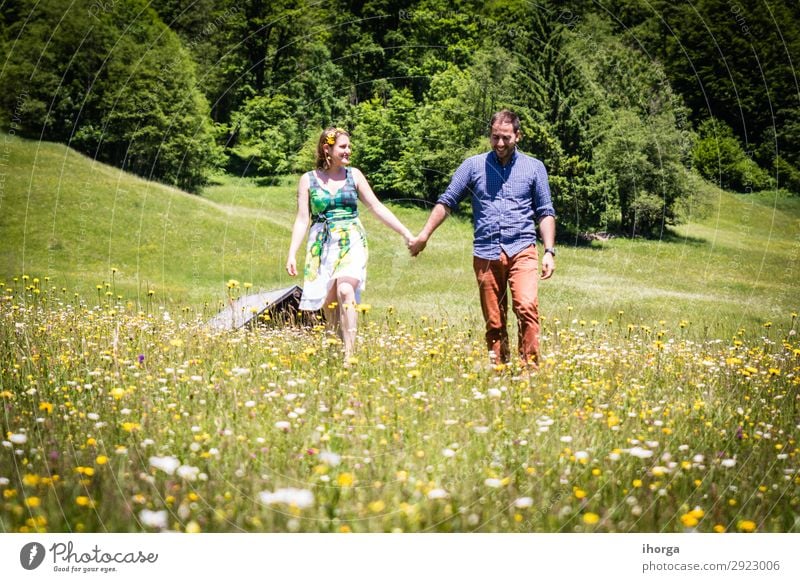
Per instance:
{"type": "Point", "coordinates": [719, 157]}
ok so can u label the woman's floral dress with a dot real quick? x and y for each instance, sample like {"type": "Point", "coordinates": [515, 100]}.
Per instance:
{"type": "Point", "coordinates": [337, 243]}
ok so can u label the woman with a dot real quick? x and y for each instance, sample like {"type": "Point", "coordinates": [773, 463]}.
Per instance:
{"type": "Point", "coordinates": [336, 256]}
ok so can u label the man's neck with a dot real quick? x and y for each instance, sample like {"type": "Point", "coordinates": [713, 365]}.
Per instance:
{"type": "Point", "coordinates": [507, 159]}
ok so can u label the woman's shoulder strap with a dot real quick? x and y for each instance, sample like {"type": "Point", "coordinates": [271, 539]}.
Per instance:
{"type": "Point", "coordinates": [350, 176]}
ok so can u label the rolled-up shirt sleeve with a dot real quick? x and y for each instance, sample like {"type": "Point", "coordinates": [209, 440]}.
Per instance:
{"type": "Point", "coordinates": [459, 186]}
{"type": "Point", "coordinates": [542, 201]}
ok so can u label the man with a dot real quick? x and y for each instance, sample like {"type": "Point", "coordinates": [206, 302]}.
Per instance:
{"type": "Point", "coordinates": [509, 192]}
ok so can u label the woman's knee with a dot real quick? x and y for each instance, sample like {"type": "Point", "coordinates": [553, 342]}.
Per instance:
{"type": "Point", "coordinates": [345, 292]}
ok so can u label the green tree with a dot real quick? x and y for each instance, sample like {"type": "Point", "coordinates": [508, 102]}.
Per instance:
{"type": "Point", "coordinates": [731, 61]}
{"type": "Point", "coordinates": [720, 158]}
{"type": "Point", "coordinates": [114, 82]}
{"type": "Point", "coordinates": [213, 31]}
{"type": "Point", "coordinates": [648, 178]}
{"type": "Point", "coordinates": [640, 150]}
{"type": "Point", "coordinates": [380, 134]}
{"type": "Point", "coordinates": [452, 122]}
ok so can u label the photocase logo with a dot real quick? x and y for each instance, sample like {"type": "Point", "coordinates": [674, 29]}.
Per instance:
{"type": "Point", "coordinates": [31, 555]}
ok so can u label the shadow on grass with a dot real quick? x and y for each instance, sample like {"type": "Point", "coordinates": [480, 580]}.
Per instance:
{"type": "Point", "coordinates": [595, 240]}
{"type": "Point", "coordinates": [671, 236]}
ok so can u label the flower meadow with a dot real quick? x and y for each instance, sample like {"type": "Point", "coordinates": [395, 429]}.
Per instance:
{"type": "Point", "coordinates": [119, 417]}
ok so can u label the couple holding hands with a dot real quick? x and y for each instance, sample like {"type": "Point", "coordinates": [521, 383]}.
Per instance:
{"type": "Point", "coordinates": [510, 196]}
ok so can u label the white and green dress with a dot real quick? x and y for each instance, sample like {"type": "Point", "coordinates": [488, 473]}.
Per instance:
{"type": "Point", "coordinates": [337, 243]}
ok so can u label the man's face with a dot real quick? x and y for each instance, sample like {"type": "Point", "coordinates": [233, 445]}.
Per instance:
{"type": "Point", "coordinates": [503, 139]}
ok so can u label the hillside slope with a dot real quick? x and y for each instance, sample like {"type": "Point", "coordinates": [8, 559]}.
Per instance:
{"type": "Point", "coordinates": [66, 217]}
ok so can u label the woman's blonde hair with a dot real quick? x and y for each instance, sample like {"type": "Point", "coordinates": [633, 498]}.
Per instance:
{"type": "Point", "coordinates": [328, 137]}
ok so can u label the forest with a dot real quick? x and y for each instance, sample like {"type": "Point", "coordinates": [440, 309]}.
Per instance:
{"type": "Point", "coordinates": [624, 101]}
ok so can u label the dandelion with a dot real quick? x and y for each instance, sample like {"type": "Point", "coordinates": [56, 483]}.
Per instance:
{"type": "Point", "coordinates": [345, 479]}
{"type": "Point", "coordinates": [689, 520]}
{"type": "Point", "coordinates": [746, 525]}
{"type": "Point", "coordinates": [31, 480]}
{"type": "Point", "coordinates": [590, 518]}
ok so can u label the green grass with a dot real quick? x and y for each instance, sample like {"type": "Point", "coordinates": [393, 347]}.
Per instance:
{"type": "Point", "coordinates": [677, 414]}
{"type": "Point", "coordinates": [68, 218]}
{"type": "Point", "coordinates": [73, 220]}
{"type": "Point", "coordinates": [121, 421]}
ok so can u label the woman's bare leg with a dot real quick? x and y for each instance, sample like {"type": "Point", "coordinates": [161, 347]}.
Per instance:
{"type": "Point", "coordinates": [348, 317]}
{"type": "Point", "coordinates": [330, 308]}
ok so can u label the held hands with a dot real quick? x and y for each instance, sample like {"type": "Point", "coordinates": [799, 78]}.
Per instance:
{"type": "Point", "coordinates": [416, 245]}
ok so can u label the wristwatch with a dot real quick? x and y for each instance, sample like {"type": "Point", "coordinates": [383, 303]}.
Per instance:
{"type": "Point", "coordinates": [551, 250]}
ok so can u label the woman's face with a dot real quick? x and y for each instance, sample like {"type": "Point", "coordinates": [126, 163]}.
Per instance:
{"type": "Point", "coordinates": [340, 151]}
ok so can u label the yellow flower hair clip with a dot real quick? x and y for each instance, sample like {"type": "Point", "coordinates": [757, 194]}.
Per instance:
{"type": "Point", "coordinates": [330, 138]}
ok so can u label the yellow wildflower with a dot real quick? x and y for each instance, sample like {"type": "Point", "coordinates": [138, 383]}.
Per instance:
{"type": "Point", "coordinates": [590, 518]}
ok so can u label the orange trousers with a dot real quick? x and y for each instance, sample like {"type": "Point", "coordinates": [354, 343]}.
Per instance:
{"type": "Point", "coordinates": [520, 274]}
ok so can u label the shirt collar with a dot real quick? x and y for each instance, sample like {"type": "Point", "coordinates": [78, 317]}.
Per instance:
{"type": "Point", "coordinates": [510, 161]}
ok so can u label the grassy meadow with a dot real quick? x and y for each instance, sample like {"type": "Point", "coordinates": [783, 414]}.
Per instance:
{"type": "Point", "coordinates": [667, 400]}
